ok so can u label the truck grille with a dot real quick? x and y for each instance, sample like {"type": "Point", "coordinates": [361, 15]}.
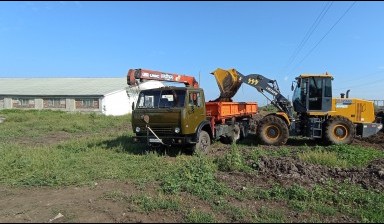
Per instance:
{"type": "Point", "coordinates": [158, 130]}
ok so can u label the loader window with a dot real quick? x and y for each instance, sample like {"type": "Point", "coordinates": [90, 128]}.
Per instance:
{"type": "Point", "coordinates": [328, 87]}
{"type": "Point", "coordinates": [315, 93]}
{"type": "Point", "coordinates": [298, 99]}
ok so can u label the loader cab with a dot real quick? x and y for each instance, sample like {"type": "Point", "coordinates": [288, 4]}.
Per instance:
{"type": "Point", "coordinates": [313, 93]}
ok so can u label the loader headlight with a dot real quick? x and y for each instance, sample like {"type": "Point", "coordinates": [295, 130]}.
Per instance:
{"type": "Point", "coordinates": [177, 130]}
{"type": "Point", "coordinates": [380, 126]}
{"type": "Point", "coordinates": [137, 129]}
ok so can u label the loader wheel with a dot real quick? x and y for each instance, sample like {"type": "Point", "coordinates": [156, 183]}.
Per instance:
{"type": "Point", "coordinates": [272, 130]}
{"type": "Point", "coordinates": [339, 130]}
{"type": "Point", "coordinates": [203, 143]}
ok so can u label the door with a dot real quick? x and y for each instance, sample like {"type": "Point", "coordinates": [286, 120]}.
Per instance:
{"type": "Point", "coordinates": [320, 94]}
{"type": "Point", "coordinates": [195, 111]}
{"type": "Point", "coordinates": [315, 93]}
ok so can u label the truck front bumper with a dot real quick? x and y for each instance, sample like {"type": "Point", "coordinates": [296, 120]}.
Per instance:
{"type": "Point", "coordinates": [166, 140]}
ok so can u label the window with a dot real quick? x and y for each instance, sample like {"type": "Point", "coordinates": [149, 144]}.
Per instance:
{"type": "Point", "coordinates": [315, 93]}
{"type": "Point", "coordinates": [23, 103]}
{"type": "Point", "coordinates": [87, 103]}
{"type": "Point", "coordinates": [315, 87]}
{"type": "Point", "coordinates": [161, 98]}
{"type": "Point", "coordinates": [194, 99]}
{"type": "Point", "coordinates": [54, 103]}
{"type": "Point", "coordinates": [328, 88]}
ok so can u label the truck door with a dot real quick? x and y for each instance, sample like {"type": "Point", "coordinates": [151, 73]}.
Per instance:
{"type": "Point", "coordinates": [195, 111]}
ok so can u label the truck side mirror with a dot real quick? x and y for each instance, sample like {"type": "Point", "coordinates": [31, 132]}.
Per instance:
{"type": "Point", "coordinates": [292, 87]}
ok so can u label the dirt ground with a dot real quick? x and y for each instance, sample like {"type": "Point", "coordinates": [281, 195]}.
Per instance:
{"type": "Point", "coordinates": [90, 204]}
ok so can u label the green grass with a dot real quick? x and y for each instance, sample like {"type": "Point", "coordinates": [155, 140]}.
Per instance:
{"type": "Point", "coordinates": [194, 175]}
{"type": "Point", "coordinates": [344, 156]}
{"type": "Point", "coordinates": [99, 147]}
{"type": "Point", "coordinates": [323, 157]}
{"type": "Point", "coordinates": [75, 163]}
{"type": "Point", "coordinates": [154, 203]}
{"type": "Point", "coordinates": [38, 123]}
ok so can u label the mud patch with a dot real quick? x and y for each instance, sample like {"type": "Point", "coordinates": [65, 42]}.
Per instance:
{"type": "Point", "coordinates": [291, 170]}
{"type": "Point", "coordinates": [375, 141]}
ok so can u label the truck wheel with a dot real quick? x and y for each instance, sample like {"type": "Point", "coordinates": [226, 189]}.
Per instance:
{"type": "Point", "coordinates": [203, 143]}
{"type": "Point", "coordinates": [272, 130]}
{"type": "Point", "coordinates": [339, 130]}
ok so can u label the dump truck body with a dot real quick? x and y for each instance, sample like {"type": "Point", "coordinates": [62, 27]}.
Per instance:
{"type": "Point", "coordinates": [221, 111]}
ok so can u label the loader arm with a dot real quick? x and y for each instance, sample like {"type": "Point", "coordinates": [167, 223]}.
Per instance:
{"type": "Point", "coordinates": [230, 80]}
{"type": "Point", "coordinates": [263, 84]}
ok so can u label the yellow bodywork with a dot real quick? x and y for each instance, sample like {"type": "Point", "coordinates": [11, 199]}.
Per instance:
{"type": "Point", "coordinates": [356, 110]}
{"type": "Point", "coordinates": [228, 82]}
{"type": "Point", "coordinates": [326, 75]}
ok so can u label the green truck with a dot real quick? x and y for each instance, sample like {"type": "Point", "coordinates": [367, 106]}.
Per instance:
{"type": "Point", "coordinates": [180, 116]}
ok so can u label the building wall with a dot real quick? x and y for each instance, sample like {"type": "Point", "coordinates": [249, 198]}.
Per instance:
{"type": "Point", "coordinates": [80, 103]}
{"type": "Point", "coordinates": [116, 103]}
{"type": "Point", "coordinates": [1, 103]}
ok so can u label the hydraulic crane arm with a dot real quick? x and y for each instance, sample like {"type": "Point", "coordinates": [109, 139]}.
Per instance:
{"type": "Point", "coordinates": [263, 84]}
{"type": "Point", "coordinates": [135, 75]}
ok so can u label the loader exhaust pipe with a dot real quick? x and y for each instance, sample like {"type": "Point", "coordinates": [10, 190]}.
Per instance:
{"type": "Point", "coordinates": [347, 94]}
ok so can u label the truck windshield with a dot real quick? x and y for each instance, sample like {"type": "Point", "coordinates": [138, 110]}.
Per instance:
{"type": "Point", "coordinates": [161, 99]}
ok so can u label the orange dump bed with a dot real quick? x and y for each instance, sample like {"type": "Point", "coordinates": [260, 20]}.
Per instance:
{"type": "Point", "coordinates": [227, 110]}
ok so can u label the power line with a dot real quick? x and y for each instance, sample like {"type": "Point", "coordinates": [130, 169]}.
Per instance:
{"type": "Point", "coordinates": [363, 85]}
{"type": "Point", "coordinates": [349, 8]}
{"type": "Point", "coordinates": [309, 33]}
{"type": "Point", "coordinates": [362, 77]}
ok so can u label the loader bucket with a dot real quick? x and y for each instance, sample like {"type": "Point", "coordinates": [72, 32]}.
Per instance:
{"type": "Point", "coordinates": [228, 82]}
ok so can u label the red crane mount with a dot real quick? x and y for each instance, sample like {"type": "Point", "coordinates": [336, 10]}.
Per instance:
{"type": "Point", "coordinates": [135, 76]}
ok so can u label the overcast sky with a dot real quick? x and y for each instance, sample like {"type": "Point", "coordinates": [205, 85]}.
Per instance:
{"type": "Point", "coordinates": [279, 40]}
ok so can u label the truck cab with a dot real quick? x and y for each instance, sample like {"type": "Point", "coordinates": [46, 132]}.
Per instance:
{"type": "Point", "coordinates": [169, 116]}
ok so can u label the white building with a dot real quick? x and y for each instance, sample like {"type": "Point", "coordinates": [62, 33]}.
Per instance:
{"type": "Point", "coordinates": [110, 96]}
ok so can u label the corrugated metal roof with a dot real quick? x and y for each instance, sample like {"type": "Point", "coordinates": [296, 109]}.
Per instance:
{"type": "Point", "coordinates": [61, 86]}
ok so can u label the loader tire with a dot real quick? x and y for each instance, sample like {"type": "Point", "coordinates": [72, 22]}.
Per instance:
{"type": "Point", "coordinates": [203, 143]}
{"type": "Point", "coordinates": [272, 130]}
{"type": "Point", "coordinates": [339, 130]}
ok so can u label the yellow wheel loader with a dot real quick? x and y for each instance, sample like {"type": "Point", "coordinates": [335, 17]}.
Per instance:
{"type": "Point", "coordinates": [313, 113]}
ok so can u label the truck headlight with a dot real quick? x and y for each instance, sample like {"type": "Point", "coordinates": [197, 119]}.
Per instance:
{"type": "Point", "coordinates": [177, 130]}
{"type": "Point", "coordinates": [137, 129]}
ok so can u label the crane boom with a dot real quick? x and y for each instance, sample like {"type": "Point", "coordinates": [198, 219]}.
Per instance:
{"type": "Point", "coordinates": [145, 74]}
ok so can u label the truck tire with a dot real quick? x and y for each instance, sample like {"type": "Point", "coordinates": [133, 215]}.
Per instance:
{"type": "Point", "coordinates": [272, 130]}
{"type": "Point", "coordinates": [203, 143]}
{"type": "Point", "coordinates": [339, 130]}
